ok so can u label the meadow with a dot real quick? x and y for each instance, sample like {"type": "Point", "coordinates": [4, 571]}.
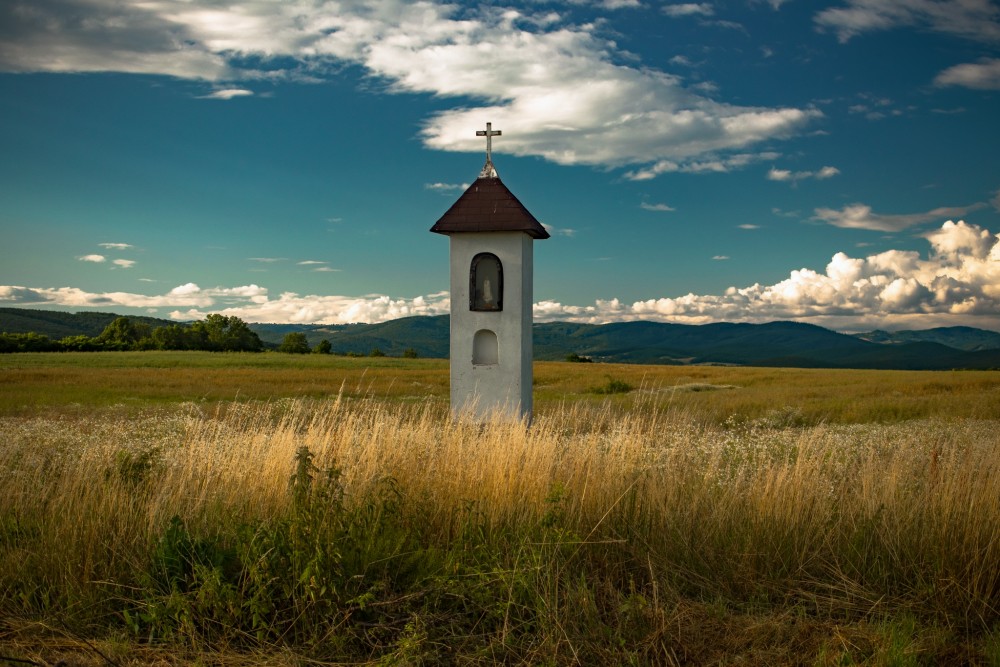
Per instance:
{"type": "Point", "coordinates": [179, 508]}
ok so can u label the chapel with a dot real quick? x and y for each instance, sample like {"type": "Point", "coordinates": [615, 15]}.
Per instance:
{"type": "Point", "coordinates": [491, 262]}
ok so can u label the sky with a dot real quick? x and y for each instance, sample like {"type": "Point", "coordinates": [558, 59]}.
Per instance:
{"type": "Point", "coordinates": [834, 163]}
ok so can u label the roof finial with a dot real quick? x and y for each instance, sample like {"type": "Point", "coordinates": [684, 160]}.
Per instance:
{"type": "Point", "coordinates": [489, 171]}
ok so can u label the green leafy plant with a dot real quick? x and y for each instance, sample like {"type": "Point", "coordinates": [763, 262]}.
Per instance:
{"type": "Point", "coordinates": [613, 386]}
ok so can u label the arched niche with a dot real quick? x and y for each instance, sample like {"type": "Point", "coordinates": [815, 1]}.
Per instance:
{"type": "Point", "coordinates": [485, 348]}
{"type": "Point", "coordinates": [486, 283]}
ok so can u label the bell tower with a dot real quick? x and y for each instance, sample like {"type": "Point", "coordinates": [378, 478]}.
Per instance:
{"type": "Point", "coordinates": [491, 235]}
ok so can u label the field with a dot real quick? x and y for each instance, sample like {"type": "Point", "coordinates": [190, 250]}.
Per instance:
{"type": "Point", "coordinates": [177, 508]}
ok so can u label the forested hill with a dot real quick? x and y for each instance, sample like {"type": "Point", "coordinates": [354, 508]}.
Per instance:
{"type": "Point", "coordinates": [789, 344]}
{"type": "Point", "coordinates": [57, 324]}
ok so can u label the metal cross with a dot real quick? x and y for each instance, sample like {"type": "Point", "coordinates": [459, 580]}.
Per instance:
{"type": "Point", "coordinates": [489, 133]}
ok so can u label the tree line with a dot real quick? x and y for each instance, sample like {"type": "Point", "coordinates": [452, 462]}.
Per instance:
{"type": "Point", "coordinates": [216, 333]}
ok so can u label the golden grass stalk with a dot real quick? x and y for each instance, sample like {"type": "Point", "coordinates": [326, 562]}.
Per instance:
{"type": "Point", "coordinates": [840, 519]}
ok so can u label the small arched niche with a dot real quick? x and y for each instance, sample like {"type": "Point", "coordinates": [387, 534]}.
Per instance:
{"type": "Point", "coordinates": [485, 348]}
{"type": "Point", "coordinates": [486, 283]}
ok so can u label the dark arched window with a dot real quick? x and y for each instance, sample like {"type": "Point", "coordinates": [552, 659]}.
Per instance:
{"type": "Point", "coordinates": [486, 283]}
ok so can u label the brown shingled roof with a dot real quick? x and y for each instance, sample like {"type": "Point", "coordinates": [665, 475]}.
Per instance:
{"type": "Point", "coordinates": [488, 206]}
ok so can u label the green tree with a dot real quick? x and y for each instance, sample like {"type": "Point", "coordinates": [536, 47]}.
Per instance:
{"type": "Point", "coordinates": [323, 347]}
{"type": "Point", "coordinates": [122, 334]}
{"type": "Point", "coordinates": [80, 343]}
{"type": "Point", "coordinates": [294, 342]}
{"type": "Point", "coordinates": [27, 342]}
{"type": "Point", "coordinates": [376, 353]}
{"type": "Point", "coordinates": [225, 334]}
{"type": "Point", "coordinates": [410, 353]}
{"type": "Point", "coordinates": [173, 337]}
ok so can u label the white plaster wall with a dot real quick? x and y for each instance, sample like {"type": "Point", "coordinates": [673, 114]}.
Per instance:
{"type": "Point", "coordinates": [506, 386]}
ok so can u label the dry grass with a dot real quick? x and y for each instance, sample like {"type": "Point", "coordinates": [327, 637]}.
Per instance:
{"type": "Point", "coordinates": [75, 384]}
{"type": "Point", "coordinates": [600, 534]}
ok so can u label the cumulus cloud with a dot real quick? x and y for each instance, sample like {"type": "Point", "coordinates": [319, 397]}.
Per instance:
{"type": "Point", "coordinates": [794, 176]}
{"type": "Point", "coordinates": [93, 258]}
{"type": "Point", "coordinates": [956, 282]}
{"type": "Point", "coordinates": [116, 246]}
{"type": "Point", "coordinates": [561, 91]}
{"type": "Point", "coordinates": [860, 216]}
{"type": "Point", "coordinates": [984, 75]}
{"type": "Point", "coordinates": [293, 308]}
{"type": "Point", "coordinates": [123, 263]}
{"type": "Point", "coordinates": [977, 20]}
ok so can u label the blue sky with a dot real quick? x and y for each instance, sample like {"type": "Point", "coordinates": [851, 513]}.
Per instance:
{"type": "Point", "coordinates": [731, 160]}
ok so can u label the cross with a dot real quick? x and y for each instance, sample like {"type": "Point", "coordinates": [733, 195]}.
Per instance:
{"type": "Point", "coordinates": [489, 133]}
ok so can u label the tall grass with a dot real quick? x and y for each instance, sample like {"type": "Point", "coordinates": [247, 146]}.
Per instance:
{"type": "Point", "coordinates": [370, 531]}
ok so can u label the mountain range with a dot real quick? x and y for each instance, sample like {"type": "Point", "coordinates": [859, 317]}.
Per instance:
{"type": "Point", "coordinates": [787, 344]}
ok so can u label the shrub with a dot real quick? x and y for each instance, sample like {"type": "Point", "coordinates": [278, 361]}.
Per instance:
{"type": "Point", "coordinates": [613, 387]}
{"type": "Point", "coordinates": [294, 342]}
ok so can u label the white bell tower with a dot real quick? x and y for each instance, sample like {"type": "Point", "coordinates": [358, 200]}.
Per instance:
{"type": "Point", "coordinates": [491, 236]}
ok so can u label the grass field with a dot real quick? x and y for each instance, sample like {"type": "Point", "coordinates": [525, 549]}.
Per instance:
{"type": "Point", "coordinates": [179, 508]}
{"type": "Point", "coordinates": [34, 383]}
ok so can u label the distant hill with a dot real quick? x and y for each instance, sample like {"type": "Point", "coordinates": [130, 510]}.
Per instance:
{"type": "Point", "coordinates": [428, 336]}
{"type": "Point", "coordinates": [790, 344]}
{"type": "Point", "coordinates": [57, 324]}
{"type": "Point", "coordinates": [960, 338]}
{"type": "Point", "coordinates": [783, 344]}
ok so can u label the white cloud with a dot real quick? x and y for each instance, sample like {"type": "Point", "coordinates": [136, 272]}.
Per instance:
{"type": "Point", "coordinates": [446, 187]}
{"type": "Point", "coordinates": [123, 263]}
{"type": "Point", "coordinates": [860, 216]}
{"type": "Point", "coordinates": [984, 75]}
{"type": "Point", "coordinates": [93, 258]}
{"type": "Point", "coordinates": [559, 231]}
{"type": "Point", "coordinates": [116, 246]}
{"type": "Point", "coordinates": [561, 91]}
{"type": "Point", "coordinates": [748, 226]}
{"type": "Point", "coordinates": [970, 19]}
{"type": "Point", "coordinates": [715, 165]}
{"type": "Point", "coordinates": [618, 4]}
{"type": "Point", "coordinates": [689, 9]}
{"type": "Point", "coordinates": [720, 258]}
{"type": "Point", "coordinates": [188, 295]}
{"type": "Point", "coordinates": [227, 94]}
{"type": "Point", "coordinates": [794, 176]}
{"type": "Point", "coordinates": [267, 260]}
{"type": "Point", "coordinates": [293, 308]}
{"type": "Point", "coordinates": [656, 207]}
{"type": "Point", "coordinates": [310, 262]}
{"type": "Point", "coordinates": [957, 282]}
